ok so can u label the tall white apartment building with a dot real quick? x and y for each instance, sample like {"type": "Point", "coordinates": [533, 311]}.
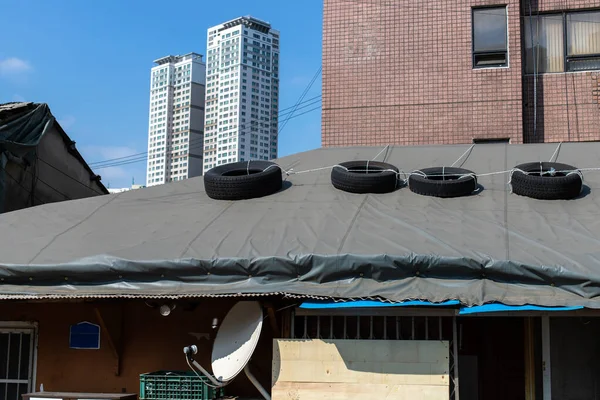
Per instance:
{"type": "Point", "coordinates": [175, 135]}
{"type": "Point", "coordinates": [242, 92]}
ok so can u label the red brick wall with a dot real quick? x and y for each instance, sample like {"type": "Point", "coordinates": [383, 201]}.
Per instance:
{"type": "Point", "coordinates": [400, 72]}
{"type": "Point", "coordinates": [567, 103]}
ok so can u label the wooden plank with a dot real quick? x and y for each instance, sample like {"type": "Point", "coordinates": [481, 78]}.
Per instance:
{"type": "Point", "coordinates": [111, 323]}
{"type": "Point", "coordinates": [546, 364]}
{"type": "Point", "coordinates": [356, 391]}
{"type": "Point", "coordinates": [332, 369]}
{"type": "Point", "coordinates": [529, 360]}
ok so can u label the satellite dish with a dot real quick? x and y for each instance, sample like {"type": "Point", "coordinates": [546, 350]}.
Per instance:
{"type": "Point", "coordinates": [234, 345]}
{"type": "Point", "coordinates": [236, 340]}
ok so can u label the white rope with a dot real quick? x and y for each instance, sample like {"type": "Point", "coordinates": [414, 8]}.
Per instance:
{"type": "Point", "coordinates": [555, 152]}
{"type": "Point", "coordinates": [464, 154]}
{"type": "Point", "coordinates": [578, 171]}
{"type": "Point", "coordinates": [512, 171]}
{"type": "Point", "coordinates": [248, 168]}
{"type": "Point", "coordinates": [378, 154]}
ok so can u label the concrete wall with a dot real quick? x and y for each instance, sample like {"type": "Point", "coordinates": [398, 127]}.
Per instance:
{"type": "Point", "coordinates": [400, 72]}
{"type": "Point", "coordinates": [360, 369]}
{"type": "Point", "coordinates": [150, 342]}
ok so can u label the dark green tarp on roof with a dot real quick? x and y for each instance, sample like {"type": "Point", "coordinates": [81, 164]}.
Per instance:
{"type": "Point", "coordinates": [315, 241]}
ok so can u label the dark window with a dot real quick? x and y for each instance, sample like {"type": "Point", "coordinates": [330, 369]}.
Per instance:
{"type": "Point", "coordinates": [490, 140]}
{"type": "Point", "coordinates": [562, 42]}
{"type": "Point", "coordinates": [490, 37]}
{"type": "Point", "coordinates": [85, 335]}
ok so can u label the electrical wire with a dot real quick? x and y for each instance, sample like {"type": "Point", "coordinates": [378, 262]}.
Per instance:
{"type": "Point", "coordinates": [142, 157]}
{"type": "Point", "coordinates": [69, 176]}
{"type": "Point", "coordinates": [138, 157]}
{"type": "Point", "coordinates": [319, 70]}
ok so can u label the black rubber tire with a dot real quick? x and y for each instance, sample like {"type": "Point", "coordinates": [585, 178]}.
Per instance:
{"type": "Point", "coordinates": [453, 183]}
{"type": "Point", "coordinates": [232, 181]}
{"type": "Point", "coordinates": [546, 187]}
{"type": "Point", "coordinates": [350, 177]}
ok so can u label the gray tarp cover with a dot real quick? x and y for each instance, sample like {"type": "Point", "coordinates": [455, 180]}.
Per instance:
{"type": "Point", "coordinates": [313, 240]}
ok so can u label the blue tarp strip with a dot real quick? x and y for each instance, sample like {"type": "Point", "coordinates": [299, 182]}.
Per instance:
{"type": "Point", "coordinates": [374, 303]}
{"type": "Point", "coordinates": [496, 307]}
{"type": "Point", "coordinates": [486, 308]}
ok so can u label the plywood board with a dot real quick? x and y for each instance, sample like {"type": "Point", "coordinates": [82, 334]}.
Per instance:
{"type": "Point", "coordinates": [360, 369]}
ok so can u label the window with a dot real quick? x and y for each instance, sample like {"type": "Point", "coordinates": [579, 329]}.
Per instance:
{"type": "Point", "coordinates": [547, 54]}
{"type": "Point", "coordinates": [17, 349]}
{"type": "Point", "coordinates": [490, 42]}
{"type": "Point", "coordinates": [84, 335]}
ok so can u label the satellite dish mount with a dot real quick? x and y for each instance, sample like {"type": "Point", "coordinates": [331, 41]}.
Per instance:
{"type": "Point", "coordinates": [234, 345]}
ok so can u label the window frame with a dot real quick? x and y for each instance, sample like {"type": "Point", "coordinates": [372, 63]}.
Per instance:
{"type": "Point", "coordinates": [474, 53]}
{"type": "Point", "coordinates": [566, 57]}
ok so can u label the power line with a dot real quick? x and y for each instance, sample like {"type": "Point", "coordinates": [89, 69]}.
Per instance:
{"type": "Point", "coordinates": [137, 157]}
{"type": "Point", "coordinates": [143, 158]}
{"type": "Point", "coordinates": [301, 98]}
{"type": "Point", "coordinates": [311, 101]}
{"type": "Point", "coordinates": [70, 177]}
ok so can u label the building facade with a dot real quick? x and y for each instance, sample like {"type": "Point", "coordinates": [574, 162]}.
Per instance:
{"type": "Point", "coordinates": [410, 73]}
{"type": "Point", "coordinates": [242, 92]}
{"type": "Point", "coordinates": [175, 134]}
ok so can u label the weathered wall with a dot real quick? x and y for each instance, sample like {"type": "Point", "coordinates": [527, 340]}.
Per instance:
{"type": "Point", "coordinates": [55, 175]}
{"type": "Point", "coordinates": [400, 72]}
{"type": "Point", "coordinates": [150, 343]}
{"type": "Point", "coordinates": [360, 369]}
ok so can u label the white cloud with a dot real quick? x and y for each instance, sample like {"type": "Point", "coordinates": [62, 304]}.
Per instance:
{"type": "Point", "coordinates": [14, 66]}
{"type": "Point", "coordinates": [67, 121]}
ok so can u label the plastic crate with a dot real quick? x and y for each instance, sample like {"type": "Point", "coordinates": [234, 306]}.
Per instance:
{"type": "Point", "coordinates": [176, 385]}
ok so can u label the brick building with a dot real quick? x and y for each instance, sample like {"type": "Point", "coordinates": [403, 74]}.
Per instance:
{"type": "Point", "coordinates": [437, 72]}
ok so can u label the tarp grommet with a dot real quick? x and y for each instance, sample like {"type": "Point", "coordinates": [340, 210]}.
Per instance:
{"type": "Point", "coordinates": [30, 278]}
{"type": "Point", "coordinates": [66, 278]}
{"type": "Point", "coordinates": [417, 273]}
{"type": "Point", "coordinates": [361, 274]}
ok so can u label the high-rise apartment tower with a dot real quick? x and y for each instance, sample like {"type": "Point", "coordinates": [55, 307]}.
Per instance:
{"type": "Point", "coordinates": [242, 92]}
{"type": "Point", "coordinates": [175, 134]}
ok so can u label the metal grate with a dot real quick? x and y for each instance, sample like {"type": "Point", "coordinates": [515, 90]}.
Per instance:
{"type": "Point", "coordinates": [16, 356]}
{"type": "Point", "coordinates": [378, 327]}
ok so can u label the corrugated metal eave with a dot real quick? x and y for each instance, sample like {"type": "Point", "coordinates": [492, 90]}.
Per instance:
{"type": "Point", "coordinates": [25, 296]}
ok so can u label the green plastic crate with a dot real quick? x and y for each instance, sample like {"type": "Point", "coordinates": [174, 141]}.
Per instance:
{"type": "Point", "coordinates": [176, 385]}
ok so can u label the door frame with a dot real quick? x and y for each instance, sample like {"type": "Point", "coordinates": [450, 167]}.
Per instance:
{"type": "Point", "coordinates": [26, 327]}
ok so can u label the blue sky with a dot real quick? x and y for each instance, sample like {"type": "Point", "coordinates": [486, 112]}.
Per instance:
{"type": "Point", "coordinates": [90, 61]}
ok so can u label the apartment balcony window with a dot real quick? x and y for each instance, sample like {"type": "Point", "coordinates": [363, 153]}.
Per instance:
{"type": "Point", "coordinates": [568, 41]}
